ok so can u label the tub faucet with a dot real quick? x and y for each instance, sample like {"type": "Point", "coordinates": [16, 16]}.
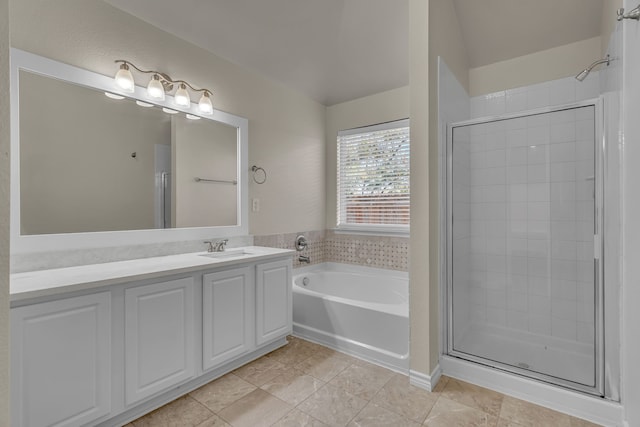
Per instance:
{"type": "Point", "coordinates": [304, 258]}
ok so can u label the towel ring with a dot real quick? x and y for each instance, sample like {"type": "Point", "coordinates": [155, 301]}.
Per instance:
{"type": "Point", "coordinates": [256, 172]}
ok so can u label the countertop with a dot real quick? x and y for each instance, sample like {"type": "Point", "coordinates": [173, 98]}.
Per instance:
{"type": "Point", "coordinates": [43, 283]}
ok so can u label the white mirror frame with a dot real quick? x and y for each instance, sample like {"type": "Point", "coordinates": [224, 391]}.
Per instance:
{"type": "Point", "coordinates": [22, 244]}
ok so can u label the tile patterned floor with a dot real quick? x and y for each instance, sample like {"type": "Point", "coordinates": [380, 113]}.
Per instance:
{"type": "Point", "coordinates": [305, 384]}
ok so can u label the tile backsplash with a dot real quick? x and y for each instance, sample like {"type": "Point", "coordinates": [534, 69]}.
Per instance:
{"type": "Point", "coordinates": [314, 249]}
{"type": "Point", "coordinates": [391, 253]}
{"type": "Point", "coordinates": [70, 258]}
{"type": "Point", "coordinates": [322, 246]}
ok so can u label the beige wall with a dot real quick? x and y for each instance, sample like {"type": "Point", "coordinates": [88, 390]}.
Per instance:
{"type": "Point", "coordinates": [551, 64]}
{"type": "Point", "coordinates": [4, 213]}
{"type": "Point", "coordinates": [419, 241]}
{"type": "Point", "coordinates": [203, 149]}
{"type": "Point", "coordinates": [286, 128]}
{"type": "Point", "coordinates": [77, 173]}
{"type": "Point", "coordinates": [379, 108]}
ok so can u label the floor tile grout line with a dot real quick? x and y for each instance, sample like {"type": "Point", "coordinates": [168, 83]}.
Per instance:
{"type": "Point", "coordinates": [325, 384]}
{"type": "Point", "coordinates": [309, 397]}
{"type": "Point", "coordinates": [430, 410]}
{"type": "Point", "coordinates": [229, 404]}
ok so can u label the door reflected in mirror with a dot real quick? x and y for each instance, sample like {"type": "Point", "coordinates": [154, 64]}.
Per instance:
{"type": "Point", "coordinates": [90, 163]}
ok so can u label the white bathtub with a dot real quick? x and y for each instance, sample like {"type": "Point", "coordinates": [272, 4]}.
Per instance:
{"type": "Point", "coordinates": [358, 310]}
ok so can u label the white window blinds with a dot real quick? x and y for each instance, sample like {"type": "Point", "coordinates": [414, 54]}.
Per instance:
{"type": "Point", "coordinates": [373, 177]}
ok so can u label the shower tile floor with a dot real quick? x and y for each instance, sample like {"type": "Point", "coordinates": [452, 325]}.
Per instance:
{"type": "Point", "coordinates": [305, 384]}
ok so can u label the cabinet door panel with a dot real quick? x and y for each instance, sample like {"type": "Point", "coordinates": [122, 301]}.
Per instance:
{"type": "Point", "coordinates": [273, 296]}
{"type": "Point", "coordinates": [159, 337]}
{"type": "Point", "coordinates": [228, 298]}
{"type": "Point", "coordinates": [61, 361]}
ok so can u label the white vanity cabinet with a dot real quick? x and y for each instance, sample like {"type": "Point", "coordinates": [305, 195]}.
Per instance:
{"type": "Point", "coordinates": [61, 361]}
{"type": "Point", "coordinates": [159, 337]}
{"type": "Point", "coordinates": [114, 341]}
{"type": "Point", "coordinates": [273, 300]}
{"type": "Point", "coordinates": [227, 315]}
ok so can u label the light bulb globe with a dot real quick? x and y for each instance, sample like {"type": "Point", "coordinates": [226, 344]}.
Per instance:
{"type": "Point", "coordinates": [204, 105]}
{"type": "Point", "coordinates": [155, 90]}
{"type": "Point", "coordinates": [182, 97]}
{"type": "Point", "coordinates": [124, 79]}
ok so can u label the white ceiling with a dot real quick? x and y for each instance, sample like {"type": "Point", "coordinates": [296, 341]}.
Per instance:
{"type": "Point", "coordinates": [332, 50]}
{"type": "Point", "coordinates": [338, 50]}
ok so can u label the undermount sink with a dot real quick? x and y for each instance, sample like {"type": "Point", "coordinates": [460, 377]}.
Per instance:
{"type": "Point", "coordinates": [230, 253]}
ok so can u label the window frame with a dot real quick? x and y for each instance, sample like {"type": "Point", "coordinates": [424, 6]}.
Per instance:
{"type": "Point", "coordinates": [371, 229]}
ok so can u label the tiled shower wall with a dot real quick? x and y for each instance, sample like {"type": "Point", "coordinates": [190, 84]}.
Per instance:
{"type": "Point", "coordinates": [531, 223]}
{"type": "Point", "coordinates": [391, 253]}
{"type": "Point", "coordinates": [526, 250]}
{"type": "Point", "coordinates": [554, 92]}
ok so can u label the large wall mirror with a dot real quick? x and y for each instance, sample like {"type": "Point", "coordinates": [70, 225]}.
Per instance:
{"type": "Point", "coordinates": [89, 170]}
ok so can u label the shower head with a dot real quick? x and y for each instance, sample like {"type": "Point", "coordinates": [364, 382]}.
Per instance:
{"type": "Point", "coordinates": [584, 73]}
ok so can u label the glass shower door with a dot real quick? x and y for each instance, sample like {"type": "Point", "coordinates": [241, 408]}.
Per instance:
{"type": "Point", "coordinates": [523, 277]}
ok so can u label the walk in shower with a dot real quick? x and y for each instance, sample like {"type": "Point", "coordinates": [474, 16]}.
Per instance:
{"type": "Point", "coordinates": [524, 201]}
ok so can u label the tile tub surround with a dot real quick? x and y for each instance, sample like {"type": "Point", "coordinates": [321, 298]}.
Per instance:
{"type": "Point", "coordinates": [305, 384]}
{"type": "Point", "coordinates": [391, 253]}
{"type": "Point", "coordinates": [314, 249]}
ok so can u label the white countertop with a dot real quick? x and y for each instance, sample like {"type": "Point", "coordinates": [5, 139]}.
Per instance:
{"type": "Point", "coordinates": [44, 283]}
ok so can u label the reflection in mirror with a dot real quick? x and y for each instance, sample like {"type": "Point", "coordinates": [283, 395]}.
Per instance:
{"type": "Point", "coordinates": [90, 163]}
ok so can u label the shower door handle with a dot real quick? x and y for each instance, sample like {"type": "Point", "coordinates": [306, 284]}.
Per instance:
{"type": "Point", "coordinates": [597, 246]}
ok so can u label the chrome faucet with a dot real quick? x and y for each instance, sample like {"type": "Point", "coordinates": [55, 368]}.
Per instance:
{"type": "Point", "coordinates": [304, 258]}
{"type": "Point", "coordinates": [218, 246]}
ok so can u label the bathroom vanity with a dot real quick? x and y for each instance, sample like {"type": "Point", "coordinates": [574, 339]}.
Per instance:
{"type": "Point", "coordinates": [103, 344]}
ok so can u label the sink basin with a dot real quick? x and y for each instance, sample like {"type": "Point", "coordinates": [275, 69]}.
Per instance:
{"type": "Point", "coordinates": [229, 253]}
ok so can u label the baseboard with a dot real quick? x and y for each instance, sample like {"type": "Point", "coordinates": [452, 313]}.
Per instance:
{"type": "Point", "coordinates": [423, 381]}
{"type": "Point", "coordinates": [387, 359]}
{"type": "Point", "coordinates": [591, 408]}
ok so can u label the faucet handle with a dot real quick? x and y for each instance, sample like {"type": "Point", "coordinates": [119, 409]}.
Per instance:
{"type": "Point", "coordinates": [220, 245]}
{"type": "Point", "coordinates": [210, 243]}
{"type": "Point", "coordinates": [301, 243]}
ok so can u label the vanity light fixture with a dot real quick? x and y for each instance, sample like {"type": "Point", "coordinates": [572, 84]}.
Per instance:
{"type": "Point", "coordinates": [192, 117]}
{"type": "Point", "coordinates": [160, 84]}
{"type": "Point", "coordinates": [169, 110]}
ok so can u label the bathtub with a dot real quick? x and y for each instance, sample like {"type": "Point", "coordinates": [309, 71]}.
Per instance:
{"type": "Point", "coordinates": [358, 310]}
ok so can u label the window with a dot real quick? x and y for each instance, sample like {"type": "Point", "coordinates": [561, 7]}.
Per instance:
{"type": "Point", "coordinates": [373, 177]}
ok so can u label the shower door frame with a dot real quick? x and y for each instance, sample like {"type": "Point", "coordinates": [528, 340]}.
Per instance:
{"type": "Point", "coordinates": [599, 161]}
